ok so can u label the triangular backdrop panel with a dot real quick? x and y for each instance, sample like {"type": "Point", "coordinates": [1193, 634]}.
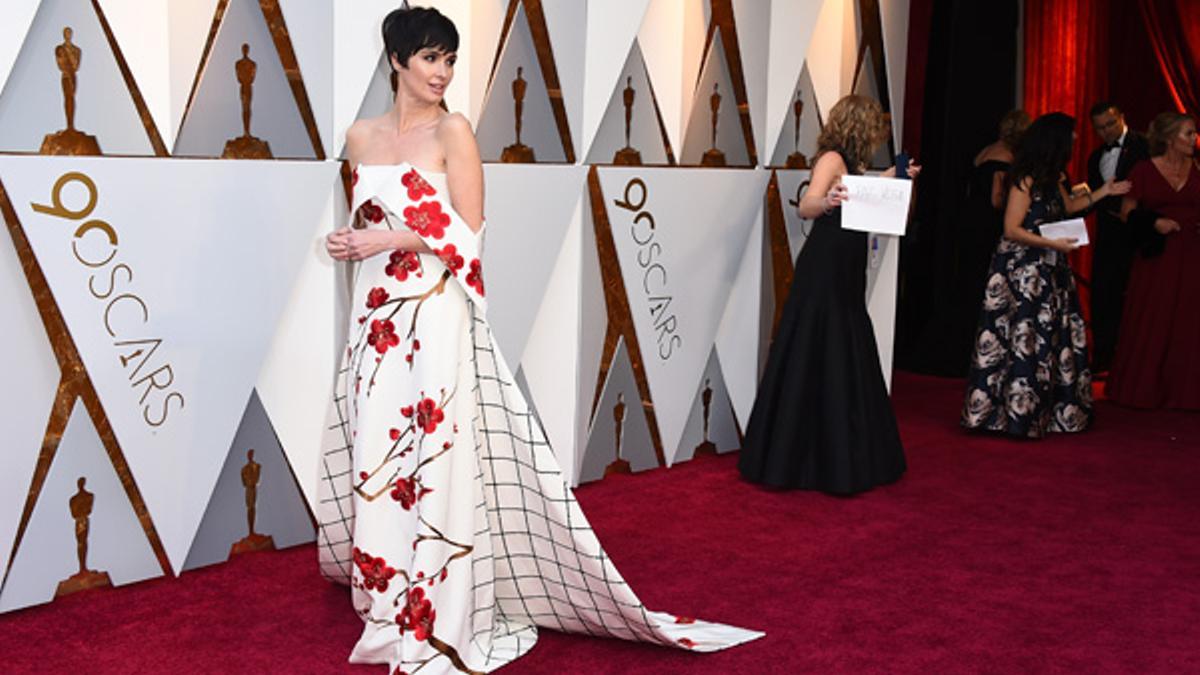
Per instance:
{"type": "Point", "coordinates": [558, 358]}
{"type": "Point", "coordinates": [190, 316]}
{"type": "Point", "coordinates": [16, 16]}
{"type": "Point", "coordinates": [883, 266]}
{"type": "Point", "coordinates": [792, 186]}
{"type": "Point", "coordinates": [361, 86]}
{"type": "Point", "coordinates": [529, 209]}
{"type": "Point", "coordinates": [752, 19]}
{"type": "Point", "coordinates": [830, 54]}
{"type": "Point", "coordinates": [730, 138]}
{"type": "Point", "coordinates": [142, 29]}
{"type": "Point", "coordinates": [496, 129]}
{"type": "Point", "coordinates": [722, 430]}
{"type": "Point", "coordinates": [611, 27]}
{"type": "Point", "coordinates": [738, 337]}
{"type": "Point", "coordinates": [116, 544]}
{"type": "Point", "coordinates": [215, 114]}
{"type": "Point", "coordinates": [646, 133]}
{"type": "Point", "coordinates": [33, 103]}
{"type": "Point", "coordinates": [894, 15]}
{"type": "Point", "coordinates": [566, 23]}
{"type": "Point", "coordinates": [190, 25]}
{"type": "Point", "coordinates": [311, 331]}
{"type": "Point", "coordinates": [279, 508]}
{"type": "Point", "coordinates": [31, 377]}
{"type": "Point", "coordinates": [802, 140]}
{"type": "Point", "coordinates": [310, 31]}
{"type": "Point", "coordinates": [792, 25]}
{"type": "Point", "coordinates": [868, 85]}
{"type": "Point", "coordinates": [620, 405]}
{"type": "Point", "coordinates": [677, 302]}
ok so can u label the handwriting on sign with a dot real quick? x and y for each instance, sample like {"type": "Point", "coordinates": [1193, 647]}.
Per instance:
{"type": "Point", "coordinates": [876, 204]}
{"type": "Point", "coordinates": [96, 246]}
{"type": "Point", "coordinates": [655, 279]}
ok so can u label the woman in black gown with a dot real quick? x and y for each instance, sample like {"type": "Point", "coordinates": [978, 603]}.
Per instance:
{"type": "Point", "coordinates": [822, 419]}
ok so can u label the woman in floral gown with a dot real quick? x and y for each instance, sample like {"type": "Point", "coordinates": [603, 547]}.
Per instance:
{"type": "Point", "coordinates": [1029, 370]}
{"type": "Point", "coordinates": [440, 501]}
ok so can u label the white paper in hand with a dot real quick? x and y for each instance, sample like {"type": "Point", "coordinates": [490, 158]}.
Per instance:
{"type": "Point", "coordinates": [876, 204]}
{"type": "Point", "coordinates": [1074, 228]}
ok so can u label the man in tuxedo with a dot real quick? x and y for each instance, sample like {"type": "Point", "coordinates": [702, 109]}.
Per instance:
{"type": "Point", "coordinates": [1121, 148]}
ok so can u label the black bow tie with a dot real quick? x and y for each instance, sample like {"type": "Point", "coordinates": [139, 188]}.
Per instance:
{"type": "Point", "coordinates": [1112, 146]}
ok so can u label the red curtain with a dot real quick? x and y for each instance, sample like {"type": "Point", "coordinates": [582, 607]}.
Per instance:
{"type": "Point", "coordinates": [1174, 29]}
{"type": "Point", "coordinates": [1066, 69]}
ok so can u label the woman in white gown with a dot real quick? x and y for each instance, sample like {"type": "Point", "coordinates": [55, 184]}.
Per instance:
{"type": "Point", "coordinates": [441, 502]}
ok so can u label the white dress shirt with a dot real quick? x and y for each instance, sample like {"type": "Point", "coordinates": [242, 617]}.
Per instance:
{"type": "Point", "coordinates": [1109, 158]}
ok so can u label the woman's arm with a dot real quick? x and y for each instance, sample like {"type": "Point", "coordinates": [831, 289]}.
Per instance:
{"type": "Point", "coordinates": [825, 190]}
{"type": "Point", "coordinates": [997, 189]}
{"type": "Point", "coordinates": [1075, 203]}
{"type": "Point", "coordinates": [1019, 202]}
{"type": "Point", "coordinates": [464, 169]}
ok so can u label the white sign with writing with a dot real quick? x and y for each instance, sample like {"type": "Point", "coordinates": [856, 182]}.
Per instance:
{"type": "Point", "coordinates": [876, 204]}
{"type": "Point", "coordinates": [1074, 228]}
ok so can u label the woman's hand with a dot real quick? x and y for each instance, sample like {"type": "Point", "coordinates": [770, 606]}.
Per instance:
{"type": "Point", "coordinates": [1113, 187]}
{"type": "Point", "coordinates": [350, 244]}
{"type": "Point", "coordinates": [1064, 244]}
{"type": "Point", "coordinates": [838, 194]}
{"type": "Point", "coordinates": [1166, 226]}
{"type": "Point", "coordinates": [912, 171]}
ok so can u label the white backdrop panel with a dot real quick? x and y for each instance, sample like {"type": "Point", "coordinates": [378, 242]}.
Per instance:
{"type": "Point", "coordinates": [116, 542]}
{"type": "Point", "coordinates": [190, 23]}
{"type": "Point", "coordinates": [803, 140]}
{"type": "Point", "coordinates": [730, 139]}
{"type": "Point", "coordinates": [722, 431]}
{"type": "Point", "coordinates": [566, 22]}
{"type": "Point", "coordinates": [358, 56]}
{"type": "Point", "coordinates": [620, 405]}
{"type": "Point", "coordinates": [679, 235]}
{"type": "Point", "coordinates": [753, 20]}
{"type": "Point", "coordinates": [15, 18]}
{"type": "Point", "coordinates": [215, 115]}
{"type": "Point", "coordinates": [883, 267]}
{"type": "Point", "coordinates": [32, 104]}
{"type": "Point", "coordinates": [142, 29]}
{"type": "Point", "coordinates": [31, 377]}
{"type": "Point", "coordinates": [894, 15]}
{"type": "Point", "coordinates": [310, 28]}
{"type": "Point", "coordinates": [645, 133]}
{"type": "Point", "coordinates": [611, 28]}
{"type": "Point", "coordinates": [792, 25]}
{"type": "Point", "coordinates": [164, 324]}
{"type": "Point", "coordinates": [738, 337]}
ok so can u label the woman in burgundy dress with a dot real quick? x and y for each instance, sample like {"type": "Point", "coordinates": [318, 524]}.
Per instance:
{"type": "Point", "coordinates": [1157, 363]}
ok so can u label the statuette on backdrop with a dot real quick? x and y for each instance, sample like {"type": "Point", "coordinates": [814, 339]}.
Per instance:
{"type": "Point", "coordinates": [81, 504]}
{"type": "Point", "coordinates": [628, 156]}
{"type": "Point", "coordinates": [706, 447]}
{"type": "Point", "coordinates": [246, 146]}
{"type": "Point", "coordinates": [518, 153]}
{"type": "Point", "coordinates": [69, 141]}
{"type": "Point", "coordinates": [618, 465]}
{"type": "Point", "coordinates": [251, 474]}
{"type": "Point", "coordinates": [713, 156]}
{"type": "Point", "coordinates": [797, 160]}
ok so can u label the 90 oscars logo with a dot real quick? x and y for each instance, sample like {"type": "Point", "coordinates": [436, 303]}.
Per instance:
{"type": "Point", "coordinates": [642, 231]}
{"type": "Point", "coordinates": [95, 245]}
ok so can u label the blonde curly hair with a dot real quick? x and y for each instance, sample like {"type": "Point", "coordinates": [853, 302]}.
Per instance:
{"type": "Point", "coordinates": [856, 126]}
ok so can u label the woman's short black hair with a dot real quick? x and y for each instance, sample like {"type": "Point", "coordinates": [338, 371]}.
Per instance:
{"type": "Point", "coordinates": [408, 31]}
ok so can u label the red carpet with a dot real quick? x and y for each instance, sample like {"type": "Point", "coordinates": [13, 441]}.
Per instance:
{"type": "Point", "coordinates": [1077, 554]}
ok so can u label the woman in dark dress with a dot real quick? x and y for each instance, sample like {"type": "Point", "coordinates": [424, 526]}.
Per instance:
{"type": "Point", "coordinates": [1029, 370]}
{"type": "Point", "coordinates": [1157, 363]}
{"type": "Point", "coordinates": [982, 226]}
{"type": "Point", "coordinates": [822, 419]}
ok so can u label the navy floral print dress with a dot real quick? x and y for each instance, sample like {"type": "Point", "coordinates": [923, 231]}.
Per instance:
{"type": "Point", "coordinates": [1029, 368]}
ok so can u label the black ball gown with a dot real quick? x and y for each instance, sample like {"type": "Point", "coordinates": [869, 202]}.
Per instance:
{"type": "Point", "coordinates": [822, 419]}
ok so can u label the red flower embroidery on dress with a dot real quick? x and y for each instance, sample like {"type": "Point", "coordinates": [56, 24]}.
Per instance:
{"type": "Point", "coordinates": [371, 211]}
{"type": "Point", "coordinates": [354, 178]}
{"type": "Point", "coordinates": [429, 415]}
{"type": "Point", "coordinates": [449, 255]}
{"type": "Point", "coordinates": [401, 263]}
{"type": "Point", "coordinates": [417, 186]}
{"type": "Point", "coordinates": [418, 615]}
{"type": "Point", "coordinates": [376, 572]}
{"type": "Point", "coordinates": [383, 335]}
{"type": "Point", "coordinates": [427, 219]}
{"type": "Point", "coordinates": [407, 411]}
{"type": "Point", "coordinates": [684, 619]}
{"type": "Point", "coordinates": [376, 297]}
{"type": "Point", "coordinates": [409, 491]}
{"type": "Point", "coordinates": [686, 642]}
{"type": "Point", "coordinates": [475, 276]}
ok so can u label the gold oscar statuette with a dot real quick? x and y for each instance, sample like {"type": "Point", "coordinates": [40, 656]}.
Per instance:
{"type": "Point", "coordinates": [246, 146]}
{"type": "Point", "coordinates": [706, 447]}
{"type": "Point", "coordinates": [69, 141]}
{"type": "Point", "coordinates": [618, 465]}
{"type": "Point", "coordinates": [628, 156]}
{"type": "Point", "coordinates": [713, 156]}
{"type": "Point", "coordinates": [251, 473]}
{"type": "Point", "coordinates": [81, 510]}
{"type": "Point", "coordinates": [796, 160]}
{"type": "Point", "coordinates": [518, 153]}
